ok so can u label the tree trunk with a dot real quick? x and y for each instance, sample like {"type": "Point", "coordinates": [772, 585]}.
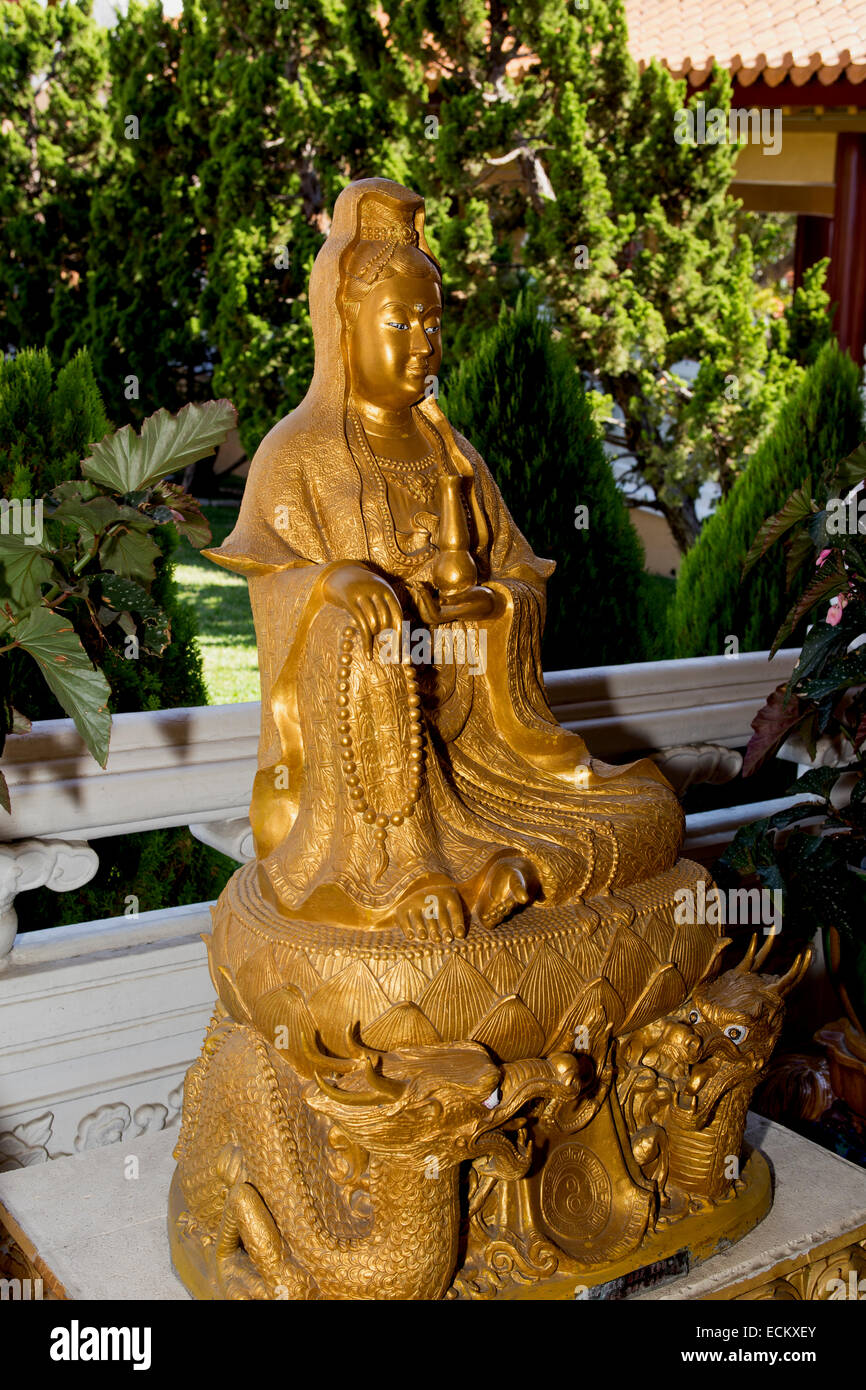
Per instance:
{"type": "Point", "coordinates": [683, 521]}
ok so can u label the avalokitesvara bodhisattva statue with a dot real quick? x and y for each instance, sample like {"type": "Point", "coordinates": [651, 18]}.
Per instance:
{"type": "Point", "coordinates": [463, 1044]}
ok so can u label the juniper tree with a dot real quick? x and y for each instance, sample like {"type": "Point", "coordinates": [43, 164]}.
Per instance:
{"type": "Point", "coordinates": [52, 149]}
{"type": "Point", "coordinates": [520, 401]}
{"type": "Point", "coordinates": [821, 422]}
{"type": "Point", "coordinates": [147, 252]}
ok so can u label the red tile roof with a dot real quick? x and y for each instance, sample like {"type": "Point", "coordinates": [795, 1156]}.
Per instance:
{"type": "Point", "coordinates": [773, 40]}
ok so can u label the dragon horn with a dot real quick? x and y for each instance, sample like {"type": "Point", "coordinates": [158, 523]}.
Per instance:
{"type": "Point", "coordinates": [787, 982]}
{"type": "Point", "coordinates": [719, 948]}
{"type": "Point", "coordinates": [764, 951]}
{"type": "Point", "coordinates": [348, 1097]}
{"type": "Point", "coordinates": [748, 960]}
{"type": "Point", "coordinates": [318, 1059]}
{"type": "Point", "coordinates": [386, 1085]}
{"type": "Point", "coordinates": [356, 1047]}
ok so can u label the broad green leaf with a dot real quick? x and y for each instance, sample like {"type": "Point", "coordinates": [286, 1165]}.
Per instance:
{"type": "Point", "coordinates": [129, 552]}
{"type": "Point", "coordinates": [75, 490]}
{"type": "Point", "coordinates": [23, 570]}
{"type": "Point", "coordinates": [90, 517]}
{"type": "Point", "coordinates": [803, 811]}
{"type": "Point", "coordinates": [81, 689]}
{"type": "Point", "coordinates": [156, 636]}
{"type": "Point", "coordinates": [126, 595]}
{"type": "Point", "coordinates": [750, 847]}
{"type": "Point", "coordinates": [859, 790]}
{"type": "Point", "coordinates": [852, 470]}
{"type": "Point", "coordinates": [129, 597]}
{"type": "Point", "coordinates": [820, 781]}
{"type": "Point", "coordinates": [837, 675]}
{"type": "Point", "coordinates": [821, 642]}
{"type": "Point", "coordinates": [797, 508]}
{"type": "Point", "coordinates": [127, 462]}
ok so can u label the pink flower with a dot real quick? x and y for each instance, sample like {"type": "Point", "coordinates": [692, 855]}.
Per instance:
{"type": "Point", "coordinates": [837, 606]}
{"type": "Point", "coordinates": [823, 556]}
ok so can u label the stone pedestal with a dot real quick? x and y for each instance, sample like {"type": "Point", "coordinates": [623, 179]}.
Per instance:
{"type": "Point", "coordinates": [94, 1227]}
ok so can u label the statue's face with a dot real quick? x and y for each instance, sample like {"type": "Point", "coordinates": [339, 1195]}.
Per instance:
{"type": "Point", "coordinates": [395, 344]}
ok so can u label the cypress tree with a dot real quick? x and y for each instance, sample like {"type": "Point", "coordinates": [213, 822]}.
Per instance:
{"type": "Point", "coordinates": [821, 421]}
{"type": "Point", "coordinates": [46, 424]}
{"type": "Point", "coordinates": [147, 250]}
{"type": "Point", "coordinates": [53, 149]}
{"type": "Point", "coordinates": [521, 402]}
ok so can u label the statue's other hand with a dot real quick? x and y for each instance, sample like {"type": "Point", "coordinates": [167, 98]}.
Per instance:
{"type": "Point", "coordinates": [367, 598]}
{"type": "Point", "coordinates": [474, 603]}
{"type": "Point", "coordinates": [477, 602]}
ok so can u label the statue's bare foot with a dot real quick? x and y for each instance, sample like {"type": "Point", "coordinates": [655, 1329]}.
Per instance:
{"type": "Point", "coordinates": [432, 914]}
{"type": "Point", "coordinates": [510, 883]}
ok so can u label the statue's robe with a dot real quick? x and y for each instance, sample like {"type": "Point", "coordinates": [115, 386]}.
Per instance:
{"type": "Point", "coordinates": [500, 776]}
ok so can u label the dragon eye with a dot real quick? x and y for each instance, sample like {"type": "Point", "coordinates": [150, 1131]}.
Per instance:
{"type": "Point", "coordinates": [493, 1099]}
{"type": "Point", "coordinates": [694, 1016]}
{"type": "Point", "coordinates": [736, 1032]}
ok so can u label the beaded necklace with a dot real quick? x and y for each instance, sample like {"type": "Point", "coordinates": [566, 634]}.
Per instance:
{"type": "Point", "coordinates": [378, 476]}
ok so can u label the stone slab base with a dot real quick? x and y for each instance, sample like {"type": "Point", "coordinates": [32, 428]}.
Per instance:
{"type": "Point", "coordinates": [94, 1226]}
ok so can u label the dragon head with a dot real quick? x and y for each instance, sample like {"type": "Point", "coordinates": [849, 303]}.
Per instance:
{"type": "Point", "coordinates": [440, 1104]}
{"type": "Point", "coordinates": [730, 1026]}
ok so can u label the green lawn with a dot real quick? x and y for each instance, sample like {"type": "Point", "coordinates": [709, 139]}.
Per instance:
{"type": "Point", "coordinates": [225, 621]}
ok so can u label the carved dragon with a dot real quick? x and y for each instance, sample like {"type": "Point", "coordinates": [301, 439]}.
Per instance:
{"type": "Point", "coordinates": [686, 1080]}
{"type": "Point", "coordinates": [344, 1186]}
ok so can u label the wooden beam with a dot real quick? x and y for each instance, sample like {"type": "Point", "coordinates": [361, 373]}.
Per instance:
{"type": "Point", "coordinates": [847, 282]}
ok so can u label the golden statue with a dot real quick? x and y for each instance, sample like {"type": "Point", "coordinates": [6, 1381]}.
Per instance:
{"type": "Point", "coordinates": [455, 1051]}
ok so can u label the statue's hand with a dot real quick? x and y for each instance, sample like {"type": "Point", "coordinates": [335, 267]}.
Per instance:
{"type": "Point", "coordinates": [477, 602]}
{"type": "Point", "coordinates": [366, 597]}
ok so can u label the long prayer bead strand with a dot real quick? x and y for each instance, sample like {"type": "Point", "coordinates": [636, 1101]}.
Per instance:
{"type": "Point", "coordinates": [351, 772]}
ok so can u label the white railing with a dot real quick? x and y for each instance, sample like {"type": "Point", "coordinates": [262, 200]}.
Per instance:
{"type": "Point", "coordinates": [100, 1019]}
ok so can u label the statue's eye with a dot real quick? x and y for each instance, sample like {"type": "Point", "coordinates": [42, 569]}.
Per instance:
{"type": "Point", "coordinates": [694, 1016]}
{"type": "Point", "coordinates": [404, 327]}
{"type": "Point", "coordinates": [433, 328]}
{"type": "Point", "coordinates": [736, 1032]}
